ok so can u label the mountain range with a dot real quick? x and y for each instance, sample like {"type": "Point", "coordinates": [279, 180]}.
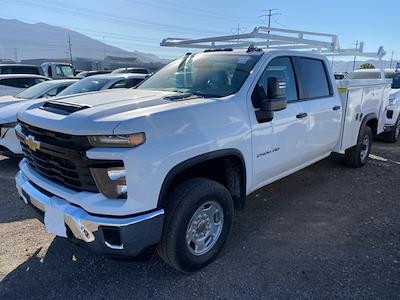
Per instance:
{"type": "Point", "coordinates": [27, 41]}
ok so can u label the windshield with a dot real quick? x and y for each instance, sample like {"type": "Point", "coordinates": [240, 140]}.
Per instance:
{"type": "Point", "coordinates": [88, 84]}
{"type": "Point", "coordinates": [65, 71]}
{"type": "Point", "coordinates": [396, 81]}
{"type": "Point", "coordinates": [35, 91]}
{"type": "Point", "coordinates": [212, 74]}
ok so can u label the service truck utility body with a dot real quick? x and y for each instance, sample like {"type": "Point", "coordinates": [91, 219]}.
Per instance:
{"type": "Point", "coordinates": [186, 147]}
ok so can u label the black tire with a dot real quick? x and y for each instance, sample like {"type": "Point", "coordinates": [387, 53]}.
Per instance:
{"type": "Point", "coordinates": [393, 135]}
{"type": "Point", "coordinates": [353, 156]}
{"type": "Point", "coordinates": [182, 204]}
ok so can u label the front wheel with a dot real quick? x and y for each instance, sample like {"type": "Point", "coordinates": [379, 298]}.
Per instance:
{"type": "Point", "coordinates": [393, 135]}
{"type": "Point", "coordinates": [198, 220]}
{"type": "Point", "coordinates": [357, 156]}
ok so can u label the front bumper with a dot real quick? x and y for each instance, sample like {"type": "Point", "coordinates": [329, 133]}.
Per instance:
{"type": "Point", "coordinates": [116, 236]}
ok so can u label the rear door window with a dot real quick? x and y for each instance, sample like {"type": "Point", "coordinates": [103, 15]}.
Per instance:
{"type": "Point", "coordinates": [314, 78]}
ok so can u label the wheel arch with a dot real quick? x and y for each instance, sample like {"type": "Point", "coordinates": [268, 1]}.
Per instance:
{"type": "Point", "coordinates": [234, 174]}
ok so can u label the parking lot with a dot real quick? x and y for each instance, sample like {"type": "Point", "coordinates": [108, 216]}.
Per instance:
{"type": "Point", "coordinates": [325, 232]}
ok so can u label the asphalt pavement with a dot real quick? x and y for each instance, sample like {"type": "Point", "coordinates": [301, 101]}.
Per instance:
{"type": "Point", "coordinates": [325, 232]}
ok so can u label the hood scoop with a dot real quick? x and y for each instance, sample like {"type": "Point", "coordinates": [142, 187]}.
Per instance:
{"type": "Point", "coordinates": [183, 96]}
{"type": "Point", "coordinates": [63, 108]}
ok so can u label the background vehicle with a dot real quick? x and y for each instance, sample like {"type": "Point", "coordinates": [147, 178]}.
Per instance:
{"type": "Point", "coordinates": [131, 70]}
{"type": "Point", "coordinates": [45, 89]}
{"type": "Point", "coordinates": [9, 107]}
{"type": "Point", "coordinates": [103, 82]}
{"type": "Point", "coordinates": [166, 163]}
{"type": "Point", "coordinates": [20, 69]}
{"type": "Point", "coordinates": [84, 74]}
{"type": "Point", "coordinates": [58, 70]}
{"type": "Point", "coordinates": [15, 83]}
{"type": "Point", "coordinates": [392, 120]}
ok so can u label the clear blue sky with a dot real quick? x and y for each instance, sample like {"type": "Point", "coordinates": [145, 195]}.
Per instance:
{"type": "Point", "coordinates": [141, 24]}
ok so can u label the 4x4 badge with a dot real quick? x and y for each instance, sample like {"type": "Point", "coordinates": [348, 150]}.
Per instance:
{"type": "Point", "coordinates": [31, 143]}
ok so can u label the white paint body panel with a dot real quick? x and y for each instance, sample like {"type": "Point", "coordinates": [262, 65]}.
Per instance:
{"type": "Point", "coordinates": [179, 130]}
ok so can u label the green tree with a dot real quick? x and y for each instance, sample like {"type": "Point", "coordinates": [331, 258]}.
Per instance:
{"type": "Point", "coordinates": [367, 66]}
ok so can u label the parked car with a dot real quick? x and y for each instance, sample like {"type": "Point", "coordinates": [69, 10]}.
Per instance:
{"type": "Point", "coordinates": [12, 84]}
{"type": "Point", "coordinates": [58, 70]}
{"type": "Point", "coordinates": [392, 122]}
{"type": "Point", "coordinates": [20, 69]}
{"type": "Point", "coordinates": [84, 74]}
{"type": "Point", "coordinates": [131, 70]}
{"type": "Point", "coordinates": [103, 82]}
{"type": "Point", "coordinates": [166, 163]}
{"type": "Point", "coordinates": [9, 107]}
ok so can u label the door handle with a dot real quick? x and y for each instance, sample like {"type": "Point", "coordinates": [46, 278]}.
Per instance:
{"type": "Point", "coordinates": [336, 107]}
{"type": "Point", "coordinates": [301, 115]}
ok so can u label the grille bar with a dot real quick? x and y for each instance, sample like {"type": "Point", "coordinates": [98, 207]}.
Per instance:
{"type": "Point", "coordinates": [60, 157]}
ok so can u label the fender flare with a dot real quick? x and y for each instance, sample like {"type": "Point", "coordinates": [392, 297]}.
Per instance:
{"type": "Point", "coordinates": [364, 122]}
{"type": "Point", "coordinates": [186, 164]}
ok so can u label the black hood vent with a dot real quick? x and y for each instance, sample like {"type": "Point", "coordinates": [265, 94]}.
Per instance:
{"type": "Point", "coordinates": [63, 108]}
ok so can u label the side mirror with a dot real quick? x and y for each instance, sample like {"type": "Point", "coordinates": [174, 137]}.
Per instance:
{"type": "Point", "coordinates": [275, 100]}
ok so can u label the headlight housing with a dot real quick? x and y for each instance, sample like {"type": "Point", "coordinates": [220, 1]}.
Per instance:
{"type": "Point", "coordinates": [124, 140]}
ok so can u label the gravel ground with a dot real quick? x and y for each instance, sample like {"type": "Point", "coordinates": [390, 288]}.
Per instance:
{"type": "Point", "coordinates": [325, 232]}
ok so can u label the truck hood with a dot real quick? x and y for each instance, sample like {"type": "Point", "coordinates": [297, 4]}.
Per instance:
{"type": "Point", "coordinates": [7, 100]}
{"type": "Point", "coordinates": [100, 113]}
{"type": "Point", "coordinates": [8, 114]}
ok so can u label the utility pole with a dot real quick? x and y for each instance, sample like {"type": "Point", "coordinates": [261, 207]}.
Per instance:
{"type": "Point", "coordinates": [238, 30]}
{"type": "Point", "coordinates": [70, 48]}
{"type": "Point", "coordinates": [355, 56]}
{"type": "Point", "coordinates": [269, 14]}
{"type": "Point", "coordinates": [391, 59]}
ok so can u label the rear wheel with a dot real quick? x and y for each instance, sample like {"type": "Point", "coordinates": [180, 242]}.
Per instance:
{"type": "Point", "coordinates": [393, 136]}
{"type": "Point", "coordinates": [198, 220]}
{"type": "Point", "coordinates": [357, 156]}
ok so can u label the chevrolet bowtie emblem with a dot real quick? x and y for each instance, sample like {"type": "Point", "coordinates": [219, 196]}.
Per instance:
{"type": "Point", "coordinates": [31, 143]}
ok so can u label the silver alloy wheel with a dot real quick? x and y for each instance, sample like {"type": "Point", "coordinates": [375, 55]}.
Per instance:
{"type": "Point", "coordinates": [364, 148]}
{"type": "Point", "coordinates": [204, 228]}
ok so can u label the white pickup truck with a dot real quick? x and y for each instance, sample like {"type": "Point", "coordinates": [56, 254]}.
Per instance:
{"type": "Point", "coordinates": [167, 163]}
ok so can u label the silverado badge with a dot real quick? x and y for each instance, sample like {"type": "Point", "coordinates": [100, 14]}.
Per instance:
{"type": "Point", "coordinates": [31, 143]}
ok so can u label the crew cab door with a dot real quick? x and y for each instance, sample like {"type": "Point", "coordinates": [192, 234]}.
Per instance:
{"type": "Point", "coordinates": [321, 104]}
{"type": "Point", "coordinates": [278, 145]}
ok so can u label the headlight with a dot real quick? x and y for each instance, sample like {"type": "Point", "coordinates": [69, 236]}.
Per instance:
{"type": "Point", "coordinates": [393, 102]}
{"type": "Point", "coordinates": [126, 140]}
{"type": "Point", "coordinates": [9, 125]}
{"type": "Point", "coordinates": [111, 181]}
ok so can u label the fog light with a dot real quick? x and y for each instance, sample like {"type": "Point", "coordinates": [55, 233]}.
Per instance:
{"type": "Point", "coordinates": [111, 182]}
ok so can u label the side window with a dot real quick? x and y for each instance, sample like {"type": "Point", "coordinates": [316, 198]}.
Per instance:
{"type": "Point", "coordinates": [119, 84]}
{"type": "Point", "coordinates": [53, 92]}
{"type": "Point", "coordinates": [314, 78]}
{"type": "Point", "coordinates": [280, 67]}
